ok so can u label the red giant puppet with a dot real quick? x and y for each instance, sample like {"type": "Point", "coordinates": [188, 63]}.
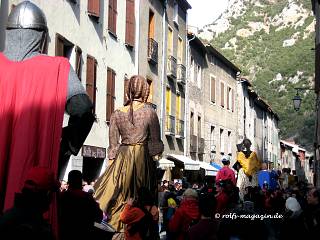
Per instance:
{"type": "Point", "coordinates": [35, 90]}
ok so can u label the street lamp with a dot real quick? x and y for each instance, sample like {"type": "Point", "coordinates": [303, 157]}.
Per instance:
{"type": "Point", "coordinates": [297, 99]}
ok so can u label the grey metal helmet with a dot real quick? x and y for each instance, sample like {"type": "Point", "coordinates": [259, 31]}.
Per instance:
{"type": "Point", "coordinates": [27, 15]}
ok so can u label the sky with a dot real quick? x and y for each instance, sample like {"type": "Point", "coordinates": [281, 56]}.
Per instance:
{"type": "Point", "coordinates": [205, 11]}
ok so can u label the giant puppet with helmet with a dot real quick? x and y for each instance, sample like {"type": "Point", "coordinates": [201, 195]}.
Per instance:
{"type": "Point", "coordinates": [35, 91]}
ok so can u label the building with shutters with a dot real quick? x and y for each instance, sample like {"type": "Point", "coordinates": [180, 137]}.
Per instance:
{"type": "Point", "coordinates": [98, 38]}
{"type": "Point", "coordinates": [212, 112]}
{"type": "Point", "coordinates": [220, 94]}
{"type": "Point", "coordinates": [172, 112]}
{"type": "Point", "coordinates": [258, 122]}
{"type": "Point", "coordinates": [151, 45]}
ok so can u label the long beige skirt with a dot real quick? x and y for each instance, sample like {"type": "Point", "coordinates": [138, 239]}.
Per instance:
{"type": "Point", "coordinates": [132, 169]}
{"type": "Point", "coordinates": [243, 182]}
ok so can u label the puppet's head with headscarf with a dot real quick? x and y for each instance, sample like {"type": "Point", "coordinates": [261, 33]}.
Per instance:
{"type": "Point", "coordinates": [138, 90]}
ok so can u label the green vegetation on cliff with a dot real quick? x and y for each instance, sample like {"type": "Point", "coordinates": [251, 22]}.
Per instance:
{"type": "Point", "coordinates": [263, 54]}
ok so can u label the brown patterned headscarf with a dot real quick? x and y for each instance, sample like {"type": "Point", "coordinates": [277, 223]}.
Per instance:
{"type": "Point", "coordinates": [138, 90]}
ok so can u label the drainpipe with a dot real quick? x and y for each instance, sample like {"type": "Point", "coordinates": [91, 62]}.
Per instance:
{"type": "Point", "coordinates": [137, 37]}
{"type": "Point", "coordinates": [186, 98]}
{"type": "Point", "coordinates": [163, 77]}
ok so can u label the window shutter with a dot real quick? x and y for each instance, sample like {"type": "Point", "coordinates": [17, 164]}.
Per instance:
{"type": "Point", "coordinates": [130, 23]}
{"type": "Point", "coordinates": [114, 22]}
{"type": "Point", "coordinates": [78, 62]}
{"type": "Point", "coordinates": [91, 82]}
{"type": "Point", "coordinates": [213, 89]}
{"type": "Point", "coordinates": [94, 7]}
{"type": "Point", "coordinates": [110, 93]}
{"type": "Point", "coordinates": [110, 16]}
{"type": "Point", "coordinates": [222, 94]}
{"type": "Point", "coordinates": [109, 97]}
{"type": "Point", "coordinates": [228, 98]}
{"type": "Point", "coordinates": [59, 46]}
{"type": "Point", "coordinates": [232, 91]}
{"type": "Point", "coordinates": [113, 91]}
{"type": "Point", "coordinates": [126, 85]}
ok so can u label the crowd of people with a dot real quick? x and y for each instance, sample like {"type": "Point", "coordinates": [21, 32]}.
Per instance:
{"type": "Point", "coordinates": [212, 212]}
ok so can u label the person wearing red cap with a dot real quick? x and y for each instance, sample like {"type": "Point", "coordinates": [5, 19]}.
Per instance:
{"type": "Point", "coordinates": [25, 220]}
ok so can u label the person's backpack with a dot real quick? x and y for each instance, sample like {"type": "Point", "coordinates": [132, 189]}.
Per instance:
{"type": "Point", "coordinates": [147, 227]}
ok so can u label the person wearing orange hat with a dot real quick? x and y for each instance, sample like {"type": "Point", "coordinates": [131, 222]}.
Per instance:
{"type": "Point", "coordinates": [25, 219]}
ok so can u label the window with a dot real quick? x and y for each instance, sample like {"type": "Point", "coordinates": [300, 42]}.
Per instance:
{"type": "Point", "coordinates": [212, 139]}
{"type": "Point", "coordinates": [64, 47]}
{"type": "Point", "coordinates": [191, 123]}
{"type": "Point", "coordinates": [111, 75]}
{"type": "Point", "coordinates": [91, 79]}
{"type": "Point", "coordinates": [229, 142]}
{"type": "Point", "coordinates": [112, 16]}
{"type": "Point", "coordinates": [180, 50]}
{"type": "Point", "coordinates": [178, 107]}
{"type": "Point", "coordinates": [176, 13]}
{"type": "Point", "coordinates": [130, 23]}
{"type": "Point", "coordinates": [150, 97]}
{"type": "Point", "coordinates": [221, 141]}
{"type": "Point", "coordinates": [229, 98]}
{"type": "Point", "coordinates": [199, 127]}
{"type": "Point", "coordinates": [168, 101]}
{"type": "Point", "coordinates": [94, 8]}
{"type": "Point", "coordinates": [192, 69]}
{"type": "Point", "coordinates": [170, 42]}
{"type": "Point", "coordinates": [212, 89]}
{"type": "Point", "coordinates": [212, 134]}
{"type": "Point", "coordinates": [151, 25]}
{"type": "Point", "coordinates": [222, 93]}
{"type": "Point", "coordinates": [199, 76]}
{"type": "Point", "coordinates": [232, 99]}
{"type": "Point", "coordinates": [211, 59]}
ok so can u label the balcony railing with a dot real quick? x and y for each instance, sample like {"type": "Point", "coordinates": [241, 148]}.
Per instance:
{"type": "Point", "coordinates": [181, 74]}
{"type": "Point", "coordinates": [193, 143]}
{"type": "Point", "coordinates": [200, 145]}
{"type": "Point", "coordinates": [179, 128]}
{"type": "Point", "coordinates": [170, 127]}
{"type": "Point", "coordinates": [152, 51]}
{"type": "Point", "coordinates": [172, 67]}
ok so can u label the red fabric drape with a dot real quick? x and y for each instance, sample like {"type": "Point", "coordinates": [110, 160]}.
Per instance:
{"type": "Point", "coordinates": [33, 97]}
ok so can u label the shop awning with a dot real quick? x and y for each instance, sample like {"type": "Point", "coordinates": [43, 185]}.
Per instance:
{"type": "Point", "coordinates": [215, 165]}
{"type": "Point", "coordinates": [188, 163]}
{"type": "Point", "coordinates": [209, 170]}
{"type": "Point", "coordinates": [165, 163]}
